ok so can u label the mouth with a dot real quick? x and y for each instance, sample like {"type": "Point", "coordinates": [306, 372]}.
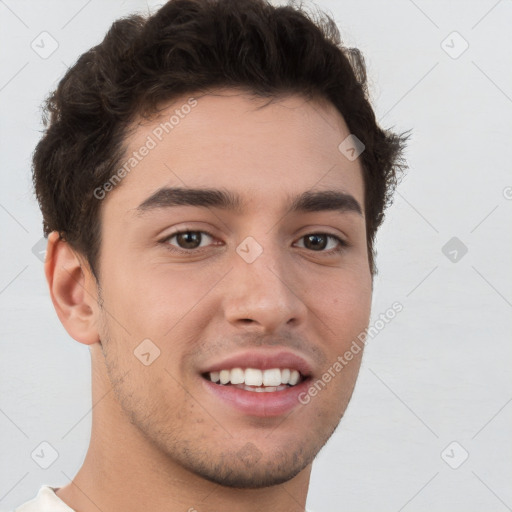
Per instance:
{"type": "Point", "coordinates": [263, 383]}
{"type": "Point", "coordinates": [257, 380]}
{"type": "Point", "coordinates": [256, 392]}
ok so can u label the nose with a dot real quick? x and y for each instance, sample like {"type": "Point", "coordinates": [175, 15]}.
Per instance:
{"type": "Point", "coordinates": [265, 293]}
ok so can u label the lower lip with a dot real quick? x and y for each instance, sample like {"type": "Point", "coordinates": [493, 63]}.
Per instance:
{"type": "Point", "coordinates": [253, 403]}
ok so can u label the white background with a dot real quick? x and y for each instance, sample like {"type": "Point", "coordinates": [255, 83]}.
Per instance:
{"type": "Point", "coordinates": [438, 373]}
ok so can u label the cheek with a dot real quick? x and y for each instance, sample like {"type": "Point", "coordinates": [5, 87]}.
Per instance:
{"type": "Point", "coordinates": [344, 304]}
{"type": "Point", "coordinates": [151, 300]}
{"type": "Point", "coordinates": [345, 312]}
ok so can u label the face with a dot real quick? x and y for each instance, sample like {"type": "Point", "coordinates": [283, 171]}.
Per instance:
{"type": "Point", "coordinates": [259, 284]}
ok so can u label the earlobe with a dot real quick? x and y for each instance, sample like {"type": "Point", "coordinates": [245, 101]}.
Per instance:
{"type": "Point", "coordinates": [73, 290]}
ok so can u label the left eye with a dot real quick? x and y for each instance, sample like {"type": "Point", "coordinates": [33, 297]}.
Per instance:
{"type": "Point", "coordinates": [318, 242]}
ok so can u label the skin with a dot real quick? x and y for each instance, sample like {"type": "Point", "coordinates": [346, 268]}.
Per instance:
{"type": "Point", "coordinates": [157, 443]}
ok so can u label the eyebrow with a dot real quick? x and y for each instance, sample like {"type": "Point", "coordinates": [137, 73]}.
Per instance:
{"type": "Point", "coordinates": [309, 201]}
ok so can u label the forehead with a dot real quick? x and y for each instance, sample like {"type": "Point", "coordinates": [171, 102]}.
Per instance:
{"type": "Point", "coordinates": [259, 147]}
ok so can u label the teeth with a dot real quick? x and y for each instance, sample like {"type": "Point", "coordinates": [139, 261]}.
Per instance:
{"type": "Point", "coordinates": [253, 377]}
{"type": "Point", "coordinates": [261, 389]}
{"type": "Point", "coordinates": [273, 379]}
{"type": "Point", "coordinates": [294, 378]}
{"type": "Point", "coordinates": [237, 376]}
{"type": "Point", "coordinates": [224, 376]}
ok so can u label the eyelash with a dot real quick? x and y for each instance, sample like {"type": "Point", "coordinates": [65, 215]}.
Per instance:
{"type": "Point", "coordinates": [342, 244]}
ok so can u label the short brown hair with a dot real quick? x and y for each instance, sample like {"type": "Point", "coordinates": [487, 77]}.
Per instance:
{"type": "Point", "coordinates": [189, 46]}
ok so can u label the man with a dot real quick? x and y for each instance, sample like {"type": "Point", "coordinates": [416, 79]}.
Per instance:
{"type": "Point", "coordinates": [211, 181]}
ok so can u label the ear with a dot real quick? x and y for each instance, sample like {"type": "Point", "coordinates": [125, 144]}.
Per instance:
{"type": "Point", "coordinates": [73, 290]}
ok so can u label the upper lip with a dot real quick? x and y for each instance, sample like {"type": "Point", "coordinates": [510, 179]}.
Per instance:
{"type": "Point", "coordinates": [262, 359]}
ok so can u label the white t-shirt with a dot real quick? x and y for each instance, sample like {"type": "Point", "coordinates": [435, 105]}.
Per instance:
{"type": "Point", "coordinates": [47, 501]}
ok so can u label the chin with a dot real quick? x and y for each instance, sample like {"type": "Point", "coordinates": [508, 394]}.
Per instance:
{"type": "Point", "coordinates": [237, 474]}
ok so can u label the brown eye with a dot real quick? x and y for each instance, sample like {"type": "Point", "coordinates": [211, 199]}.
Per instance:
{"type": "Point", "coordinates": [318, 242]}
{"type": "Point", "coordinates": [187, 240]}
{"type": "Point", "coordinates": [315, 242]}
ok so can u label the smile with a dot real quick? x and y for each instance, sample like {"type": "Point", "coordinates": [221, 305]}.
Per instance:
{"type": "Point", "coordinates": [257, 380]}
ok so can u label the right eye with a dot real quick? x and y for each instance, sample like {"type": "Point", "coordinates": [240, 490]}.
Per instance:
{"type": "Point", "coordinates": [187, 240]}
